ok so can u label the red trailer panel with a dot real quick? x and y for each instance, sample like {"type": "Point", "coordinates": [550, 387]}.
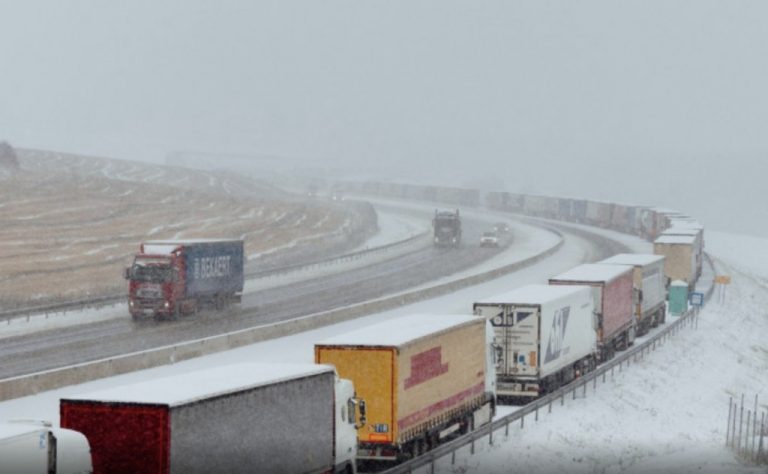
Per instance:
{"type": "Point", "coordinates": [124, 438]}
{"type": "Point", "coordinates": [617, 324]}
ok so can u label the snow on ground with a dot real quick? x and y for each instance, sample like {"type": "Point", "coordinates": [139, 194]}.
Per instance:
{"type": "Point", "coordinates": [668, 412]}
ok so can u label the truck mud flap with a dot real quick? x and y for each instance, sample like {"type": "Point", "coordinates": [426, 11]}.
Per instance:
{"type": "Point", "coordinates": [482, 415]}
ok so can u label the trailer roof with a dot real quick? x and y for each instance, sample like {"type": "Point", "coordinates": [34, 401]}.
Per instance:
{"type": "Point", "coordinates": [692, 224]}
{"type": "Point", "coordinates": [593, 272]}
{"type": "Point", "coordinates": [633, 259]}
{"type": "Point", "coordinates": [675, 239]}
{"type": "Point", "coordinates": [189, 241]}
{"type": "Point", "coordinates": [400, 331]}
{"type": "Point", "coordinates": [535, 294]}
{"type": "Point", "coordinates": [198, 385]}
{"type": "Point", "coordinates": [667, 211]}
{"type": "Point", "coordinates": [13, 429]}
{"type": "Point", "coordinates": [163, 247]}
{"type": "Point", "coordinates": [675, 230]}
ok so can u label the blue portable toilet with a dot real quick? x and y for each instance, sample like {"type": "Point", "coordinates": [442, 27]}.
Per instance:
{"type": "Point", "coordinates": [678, 297]}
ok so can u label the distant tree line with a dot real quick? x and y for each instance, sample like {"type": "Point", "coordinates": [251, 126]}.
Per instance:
{"type": "Point", "coordinates": [8, 158]}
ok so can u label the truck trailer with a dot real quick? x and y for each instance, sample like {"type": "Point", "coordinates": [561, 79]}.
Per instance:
{"type": "Point", "coordinates": [544, 337]}
{"type": "Point", "coordinates": [281, 418]}
{"type": "Point", "coordinates": [680, 253]}
{"type": "Point", "coordinates": [34, 447]}
{"type": "Point", "coordinates": [447, 228]}
{"type": "Point", "coordinates": [616, 323]}
{"type": "Point", "coordinates": [424, 378]}
{"type": "Point", "coordinates": [648, 282]}
{"type": "Point", "coordinates": [681, 229]}
{"type": "Point", "coordinates": [173, 277]}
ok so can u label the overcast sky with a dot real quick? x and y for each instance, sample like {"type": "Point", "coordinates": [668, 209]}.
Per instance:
{"type": "Point", "coordinates": [651, 102]}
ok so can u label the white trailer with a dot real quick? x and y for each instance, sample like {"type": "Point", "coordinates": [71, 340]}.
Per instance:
{"type": "Point", "coordinates": [649, 286]}
{"type": "Point", "coordinates": [544, 336]}
{"type": "Point", "coordinates": [36, 447]}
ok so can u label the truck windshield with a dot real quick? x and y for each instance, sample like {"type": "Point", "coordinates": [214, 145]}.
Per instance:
{"type": "Point", "coordinates": [151, 271]}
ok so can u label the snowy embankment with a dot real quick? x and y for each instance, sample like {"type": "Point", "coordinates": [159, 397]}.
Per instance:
{"type": "Point", "coordinates": [668, 412]}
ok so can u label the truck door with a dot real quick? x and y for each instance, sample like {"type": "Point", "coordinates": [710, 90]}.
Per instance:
{"type": "Point", "coordinates": [51, 453]}
{"type": "Point", "coordinates": [524, 335]}
{"type": "Point", "coordinates": [500, 317]}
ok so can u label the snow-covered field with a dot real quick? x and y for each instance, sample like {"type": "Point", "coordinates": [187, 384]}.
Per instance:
{"type": "Point", "coordinates": [668, 413]}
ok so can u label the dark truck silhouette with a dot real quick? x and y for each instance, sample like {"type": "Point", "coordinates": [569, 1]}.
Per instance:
{"type": "Point", "coordinates": [447, 228]}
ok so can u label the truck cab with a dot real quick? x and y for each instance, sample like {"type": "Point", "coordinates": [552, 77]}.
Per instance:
{"type": "Point", "coordinates": [350, 416]}
{"type": "Point", "coordinates": [31, 446]}
{"type": "Point", "coordinates": [447, 228]}
{"type": "Point", "coordinates": [155, 284]}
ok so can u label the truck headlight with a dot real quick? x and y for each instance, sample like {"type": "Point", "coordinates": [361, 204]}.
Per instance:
{"type": "Point", "coordinates": [167, 304]}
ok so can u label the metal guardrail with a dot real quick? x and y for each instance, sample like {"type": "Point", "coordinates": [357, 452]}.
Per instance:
{"type": "Point", "coordinates": [430, 458]}
{"type": "Point", "coordinates": [106, 300]}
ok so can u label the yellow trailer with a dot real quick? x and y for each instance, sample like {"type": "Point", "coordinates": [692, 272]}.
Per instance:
{"type": "Point", "coordinates": [423, 378]}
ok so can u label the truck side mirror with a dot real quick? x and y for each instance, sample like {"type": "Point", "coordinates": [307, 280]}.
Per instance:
{"type": "Point", "coordinates": [363, 418]}
{"type": "Point", "coordinates": [127, 273]}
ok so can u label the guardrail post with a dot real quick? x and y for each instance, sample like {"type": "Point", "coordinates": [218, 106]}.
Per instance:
{"type": "Point", "coordinates": [522, 422]}
{"type": "Point", "coordinates": [490, 433]}
{"type": "Point", "coordinates": [762, 434]}
{"type": "Point", "coordinates": [733, 430]}
{"type": "Point", "coordinates": [741, 421]}
{"type": "Point", "coordinates": [594, 384]}
{"type": "Point", "coordinates": [506, 428]}
{"type": "Point", "coordinates": [562, 399]}
{"type": "Point", "coordinates": [747, 442]}
{"type": "Point", "coordinates": [550, 406]}
{"type": "Point", "coordinates": [584, 386]}
{"type": "Point", "coordinates": [432, 466]}
{"type": "Point", "coordinates": [453, 457]}
{"type": "Point", "coordinates": [728, 426]}
{"type": "Point", "coordinates": [754, 436]}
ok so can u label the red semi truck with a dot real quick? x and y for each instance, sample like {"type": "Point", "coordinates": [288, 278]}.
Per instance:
{"type": "Point", "coordinates": [173, 277]}
{"type": "Point", "coordinates": [616, 323]}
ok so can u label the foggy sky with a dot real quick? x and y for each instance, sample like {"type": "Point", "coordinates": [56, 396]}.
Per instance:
{"type": "Point", "coordinates": [649, 102]}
